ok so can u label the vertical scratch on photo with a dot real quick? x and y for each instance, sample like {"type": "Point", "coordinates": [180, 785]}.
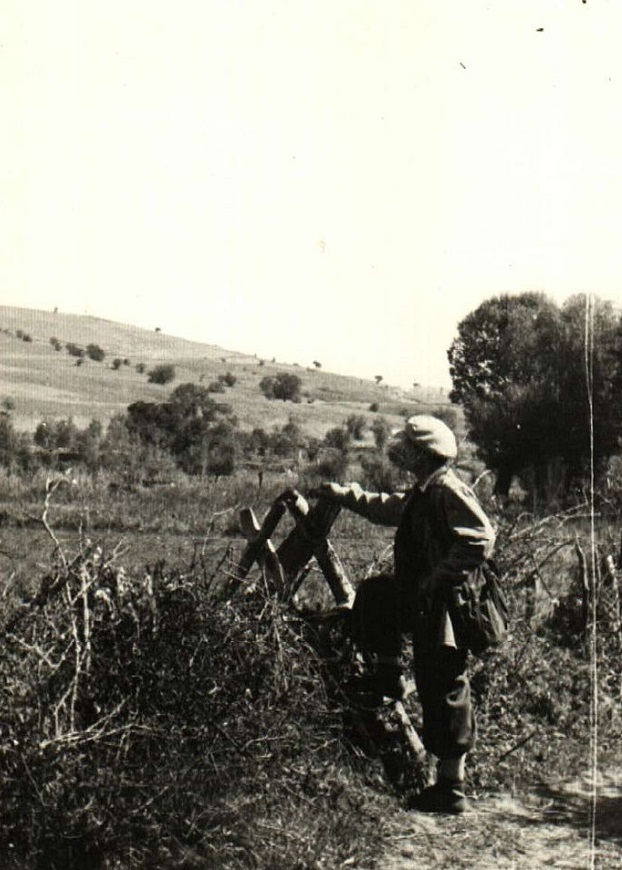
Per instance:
{"type": "Point", "coordinates": [593, 630]}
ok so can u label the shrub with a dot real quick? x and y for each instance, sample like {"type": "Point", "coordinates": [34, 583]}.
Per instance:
{"type": "Point", "coordinates": [374, 407]}
{"type": "Point", "coordinates": [162, 722]}
{"type": "Point", "coordinates": [162, 374]}
{"type": "Point", "coordinates": [95, 352]}
{"type": "Point", "coordinates": [338, 438]}
{"type": "Point", "coordinates": [74, 349]}
{"type": "Point", "coordinates": [283, 386]}
{"type": "Point", "coordinates": [379, 475]}
{"type": "Point", "coordinates": [13, 445]}
{"type": "Point", "coordinates": [331, 464]}
{"type": "Point", "coordinates": [216, 387]}
{"type": "Point", "coordinates": [56, 344]}
{"type": "Point", "coordinates": [117, 363]}
{"type": "Point", "coordinates": [140, 368]}
{"type": "Point", "coordinates": [228, 379]}
{"type": "Point", "coordinates": [381, 431]}
{"type": "Point", "coordinates": [356, 424]}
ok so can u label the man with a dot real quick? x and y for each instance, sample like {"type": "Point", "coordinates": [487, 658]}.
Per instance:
{"type": "Point", "coordinates": [442, 537]}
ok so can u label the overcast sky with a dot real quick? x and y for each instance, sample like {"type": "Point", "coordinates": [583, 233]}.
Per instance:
{"type": "Point", "coordinates": [332, 180]}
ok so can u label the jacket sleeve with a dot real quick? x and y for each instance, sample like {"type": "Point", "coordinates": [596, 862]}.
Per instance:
{"type": "Point", "coordinates": [470, 535]}
{"type": "Point", "coordinates": [378, 507]}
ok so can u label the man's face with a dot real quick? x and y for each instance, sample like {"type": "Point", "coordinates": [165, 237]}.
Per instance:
{"type": "Point", "coordinates": [406, 455]}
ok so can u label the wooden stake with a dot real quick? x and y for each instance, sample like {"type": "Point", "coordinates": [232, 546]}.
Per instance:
{"type": "Point", "coordinates": [308, 539]}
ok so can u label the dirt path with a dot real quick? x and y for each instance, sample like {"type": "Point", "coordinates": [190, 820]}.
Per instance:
{"type": "Point", "coordinates": [549, 828]}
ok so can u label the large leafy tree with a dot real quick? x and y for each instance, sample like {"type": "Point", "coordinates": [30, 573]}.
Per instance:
{"type": "Point", "coordinates": [518, 367]}
{"type": "Point", "coordinates": [196, 430]}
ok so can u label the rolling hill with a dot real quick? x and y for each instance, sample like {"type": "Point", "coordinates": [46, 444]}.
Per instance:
{"type": "Point", "coordinates": [38, 382]}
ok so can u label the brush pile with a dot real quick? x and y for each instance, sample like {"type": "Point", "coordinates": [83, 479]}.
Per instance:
{"type": "Point", "coordinates": [147, 721]}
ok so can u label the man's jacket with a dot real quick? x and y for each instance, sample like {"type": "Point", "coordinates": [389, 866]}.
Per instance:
{"type": "Point", "coordinates": [443, 536]}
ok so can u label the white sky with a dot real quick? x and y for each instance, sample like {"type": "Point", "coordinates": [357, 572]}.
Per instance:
{"type": "Point", "coordinates": [332, 180]}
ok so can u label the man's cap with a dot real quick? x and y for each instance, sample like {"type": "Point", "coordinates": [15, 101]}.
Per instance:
{"type": "Point", "coordinates": [431, 434]}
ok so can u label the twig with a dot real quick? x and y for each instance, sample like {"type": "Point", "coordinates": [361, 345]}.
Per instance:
{"type": "Point", "coordinates": [518, 745]}
{"type": "Point", "coordinates": [50, 488]}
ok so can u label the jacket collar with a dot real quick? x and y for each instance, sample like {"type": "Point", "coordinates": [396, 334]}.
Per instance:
{"type": "Point", "coordinates": [432, 478]}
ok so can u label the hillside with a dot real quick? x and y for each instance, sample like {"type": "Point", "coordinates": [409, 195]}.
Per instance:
{"type": "Point", "coordinates": [40, 382]}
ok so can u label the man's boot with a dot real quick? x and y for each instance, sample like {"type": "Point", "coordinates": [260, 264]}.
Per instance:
{"type": "Point", "coordinates": [445, 796]}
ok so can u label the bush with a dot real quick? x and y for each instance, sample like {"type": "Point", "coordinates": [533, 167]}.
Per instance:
{"type": "Point", "coordinates": [216, 387]}
{"type": "Point", "coordinates": [331, 464]}
{"type": "Point", "coordinates": [14, 446]}
{"type": "Point", "coordinates": [338, 438]}
{"type": "Point", "coordinates": [117, 363]}
{"type": "Point", "coordinates": [381, 431]}
{"type": "Point", "coordinates": [74, 349]}
{"type": "Point", "coordinates": [162, 374]}
{"type": "Point", "coordinates": [140, 368]}
{"type": "Point", "coordinates": [379, 475]}
{"type": "Point", "coordinates": [56, 344]}
{"type": "Point", "coordinates": [228, 379]}
{"type": "Point", "coordinates": [283, 386]}
{"type": "Point", "coordinates": [95, 352]}
{"type": "Point", "coordinates": [356, 425]}
{"type": "Point", "coordinates": [162, 722]}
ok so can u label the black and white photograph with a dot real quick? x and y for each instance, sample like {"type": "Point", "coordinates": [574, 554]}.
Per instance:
{"type": "Point", "coordinates": [310, 435]}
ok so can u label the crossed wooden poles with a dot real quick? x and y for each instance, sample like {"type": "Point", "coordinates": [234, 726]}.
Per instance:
{"type": "Point", "coordinates": [284, 567]}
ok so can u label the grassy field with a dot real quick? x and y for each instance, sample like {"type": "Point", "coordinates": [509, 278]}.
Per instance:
{"type": "Point", "coordinates": [42, 382]}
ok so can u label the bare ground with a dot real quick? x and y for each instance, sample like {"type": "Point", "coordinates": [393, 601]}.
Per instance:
{"type": "Point", "coordinates": [547, 828]}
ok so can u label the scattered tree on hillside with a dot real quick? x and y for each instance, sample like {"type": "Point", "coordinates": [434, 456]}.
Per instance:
{"type": "Point", "coordinates": [95, 352]}
{"type": "Point", "coordinates": [140, 368]}
{"type": "Point", "coordinates": [117, 363]}
{"type": "Point", "coordinates": [74, 349]}
{"type": "Point", "coordinates": [56, 344]}
{"type": "Point", "coordinates": [283, 386]}
{"type": "Point", "coordinates": [378, 378]}
{"type": "Point", "coordinates": [162, 374]}
{"type": "Point", "coordinates": [318, 365]}
{"type": "Point", "coordinates": [228, 379]}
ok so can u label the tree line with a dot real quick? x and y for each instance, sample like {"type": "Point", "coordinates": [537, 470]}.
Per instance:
{"type": "Point", "coordinates": [191, 431]}
{"type": "Point", "coordinates": [540, 385]}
